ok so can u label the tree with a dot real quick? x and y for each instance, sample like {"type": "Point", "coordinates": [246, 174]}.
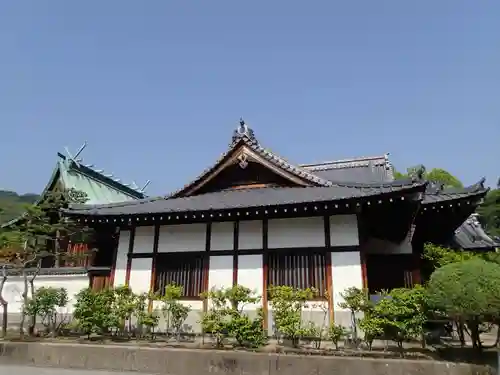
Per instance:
{"type": "Point", "coordinates": [467, 291]}
{"type": "Point", "coordinates": [489, 212]}
{"type": "Point", "coordinates": [38, 235]}
{"type": "Point", "coordinates": [45, 303]}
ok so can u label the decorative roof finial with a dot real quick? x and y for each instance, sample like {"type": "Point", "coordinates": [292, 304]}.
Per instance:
{"type": "Point", "coordinates": [243, 131]}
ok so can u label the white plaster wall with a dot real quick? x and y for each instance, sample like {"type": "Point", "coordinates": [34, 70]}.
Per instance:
{"type": "Point", "coordinates": [378, 246]}
{"type": "Point", "coordinates": [222, 236]}
{"type": "Point", "coordinates": [144, 239]}
{"type": "Point", "coordinates": [251, 275]}
{"type": "Point", "coordinates": [346, 273]}
{"type": "Point", "coordinates": [344, 230]}
{"type": "Point", "coordinates": [296, 232]}
{"type": "Point", "coordinates": [14, 288]}
{"type": "Point", "coordinates": [220, 274]}
{"type": "Point", "coordinates": [250, 235]}
{"type": "Point", "coordinates": [195, 305]}
{"type": "Point", "coordinates": [121, 258]}
{"type": "Point", "coordinates": [140, 275]}
{"type": "Point", "coordinates": [182, 237]}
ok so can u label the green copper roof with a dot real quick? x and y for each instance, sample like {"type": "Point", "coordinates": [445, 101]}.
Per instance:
{"type": "Point", "coordinates": [100, 188]}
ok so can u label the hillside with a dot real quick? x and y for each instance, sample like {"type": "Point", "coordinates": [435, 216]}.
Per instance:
{"type": "Point", "coordinates": [12, 204]}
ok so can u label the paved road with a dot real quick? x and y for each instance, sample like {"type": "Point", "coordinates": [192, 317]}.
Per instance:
{"type": "Point", "coordinates": [25, 370]}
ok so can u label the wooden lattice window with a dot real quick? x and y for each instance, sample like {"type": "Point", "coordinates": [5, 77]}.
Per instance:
{"type": "Point", "coordinates": [184, 269]}
{"type": "Point", "coordinates": [304, 269]}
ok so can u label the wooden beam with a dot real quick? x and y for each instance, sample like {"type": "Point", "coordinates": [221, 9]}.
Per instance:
{"type": "Point", "coordinates": [129, 259]}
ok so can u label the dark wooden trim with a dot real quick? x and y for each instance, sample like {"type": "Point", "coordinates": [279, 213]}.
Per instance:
{"type": "Point", "coordinates": [236, 231]}
{"type": "Point", "coordinates": [140, 255]}
{"type": "Point", "coordinates": [362, 256]}
{"type": "Point", "coordinates": [156, 240]}
{"type": "Point", "coordinates": [328, 270]}
{"type": "Point", "coordinates": [129, 260]}
{"type": "Point", "coordinates": [115, 256]}
{"type": "Point", "coordinates": [265, 262]}
{"type": "Point", "coordinates": [291, 250]}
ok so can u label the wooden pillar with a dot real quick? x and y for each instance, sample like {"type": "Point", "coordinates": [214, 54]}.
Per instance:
{"type": "Point", "coordinates": [328, 269]}
{"type": "Point", "coordinates": [265, 272]}
{"type": "Point", "coordinates": [129, 257]}
{"type": "Point", "coordinates": [235, 252]}
{"type": "Point", "coordinates": [153, 266]}
{"type": "Point", "coordinates": [206, 263]}
{"type": "Point", "coordinates": [115, 256]}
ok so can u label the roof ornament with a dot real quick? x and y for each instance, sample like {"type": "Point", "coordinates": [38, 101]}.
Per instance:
{"type": "Point", "coordinates": [74, 158]}
{"type": "Point", "coordinates": [417, 173]}
{"type": "Point", "coordinates": [243, 131]}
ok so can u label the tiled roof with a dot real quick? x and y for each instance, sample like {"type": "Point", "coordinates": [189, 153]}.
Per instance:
{"type": "Point", "coordinates": [436, 193]}
{"type": "Point", "coordinates": [247, 198]}
{"type": "Point", "coordinates": [471, 235]}
{"type": "Point", "coordinates": [365, 169]}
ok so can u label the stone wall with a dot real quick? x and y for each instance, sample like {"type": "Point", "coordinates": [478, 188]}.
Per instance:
{"type": "Point", "coordinates": [203, 362]}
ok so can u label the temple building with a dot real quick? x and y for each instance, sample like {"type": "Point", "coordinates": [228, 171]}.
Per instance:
{"type": "Point", "coordinates": [70, 172]}
{"type": "Point", "coordinates": [252, 218]}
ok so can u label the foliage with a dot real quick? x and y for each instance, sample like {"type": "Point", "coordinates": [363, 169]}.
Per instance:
{"type": "Point", "coordinates": [45, 304]}
{"type": "Point", "coordinates": [123, 306]}
{"type": "Point", "coordinates": [287, 303]}
{"type": "Point", "coordinates": [467, 291]}
{"type": "Point", "coordinates": [336, 332]}
{"type": "Point", "coordinates": [226, 317]}
{"type": "Point", "coordinates": [174, 311]}
{"type": "Point", "coordinates": [440, 256]}
{"type": "Point", "coordinates": [145, 319]}
{"type": "Point", "coordinates": [489, 212]}
{"type": "Point", "coordinates": [355, 300]}
{"type": "Point", "coordinates": [93, 311]}
{"type": "Point", "coordinates": [372, 327]}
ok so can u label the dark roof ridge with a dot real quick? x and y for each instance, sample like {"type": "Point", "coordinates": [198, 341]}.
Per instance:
{"type": "Point", "coordinates": [350, 162]}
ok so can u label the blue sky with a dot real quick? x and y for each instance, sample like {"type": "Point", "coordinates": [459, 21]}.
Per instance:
{"type": "Point", "coordinates": [157, 87]}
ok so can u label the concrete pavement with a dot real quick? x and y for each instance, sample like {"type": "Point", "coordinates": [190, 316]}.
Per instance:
{"type": "Point", "coordinates": [26, 370]}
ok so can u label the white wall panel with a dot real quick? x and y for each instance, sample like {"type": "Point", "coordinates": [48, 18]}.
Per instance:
{"type": "Point", "coordinates": [346, 273]}
{"type": "Point", "coordinates": [250, 234]}
{"type": "Point", "coordinates": [121, 258]}
{"type": "Point", "coordinates": [344, 230]}
{"type": "Point", "coordinates": [296, 232]}
{"type": "Point", "coordinates": [182, 237]}
{"type": "Point", "coordinates": [14, 288]}
{"type": "Point", "coordinates": [144, 239]}
{"type": "Point", "coordinates": [220, 274]}
{"type": "Point", "coordinates": [222, 236]}
{"type": "Point", "coordinates": [251, 275]}
{"type": "Point", "coordinates": [140, 275]}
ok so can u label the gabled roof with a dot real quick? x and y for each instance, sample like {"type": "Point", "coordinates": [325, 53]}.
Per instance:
{"type": "Point", "coordinates": [471, 236]}
{"type": "Point", "coordinates": [100, 188]}
{"type": "Point", "coordinates": [245, 146]}
{"type": "Point", "coordinates": [364, 169]}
